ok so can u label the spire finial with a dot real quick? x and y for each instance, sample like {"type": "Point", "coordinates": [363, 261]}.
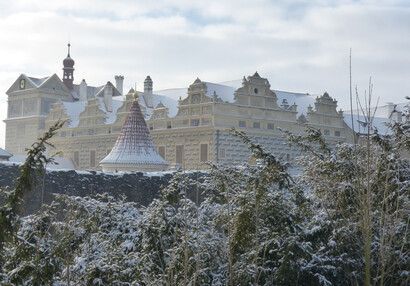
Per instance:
{"type": "Point", "coordinates": [135, 95]}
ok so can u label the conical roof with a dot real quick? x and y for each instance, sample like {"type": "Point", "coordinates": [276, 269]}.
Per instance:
{"type": "Point", "coordinates": [134, 149]}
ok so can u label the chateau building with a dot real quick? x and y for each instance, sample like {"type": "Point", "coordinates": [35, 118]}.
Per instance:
{"type": "Point", "coordinates": [185, 132]}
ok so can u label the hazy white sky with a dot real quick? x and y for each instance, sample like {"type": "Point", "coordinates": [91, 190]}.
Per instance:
{"type": "Point", "coordinates": [299, 45]}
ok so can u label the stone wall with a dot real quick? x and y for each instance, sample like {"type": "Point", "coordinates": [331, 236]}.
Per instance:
{"type": "Point", "coordinates": [137, 187]}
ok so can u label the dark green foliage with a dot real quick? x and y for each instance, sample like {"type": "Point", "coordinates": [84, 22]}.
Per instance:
{"type": "Point", "coordinates": [363, 191]}
{"type": "Point", "coordinates": [30, 173]}
{"type": "Point", "coordinates": [256, 225]}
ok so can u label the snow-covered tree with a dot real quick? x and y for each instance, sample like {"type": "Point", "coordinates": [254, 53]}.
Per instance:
{"type": "Point", "coordinates": [361, 193]}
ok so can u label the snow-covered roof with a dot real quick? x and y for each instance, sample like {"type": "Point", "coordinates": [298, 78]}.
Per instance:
{"type": "Point", "coordinates": [91, 90]}
{"type": "Point", "coordinates": [111, 115]}
{"type": "Point", "coordinates": [62, 163]}
{"type": "Point", "coordinates": [38, 81]}
{"type": "Point", "coordinates": [380, 116]}
{"type": "Point", "coordinates": [134, 145]}
{"type": "Point", "coordinates": [169, 102]}
{"type": "Point", "coordinates": [226, 91]}
{"type": "Point", "coordinates": [302, 100]}
{"type": "Point", "coordinates": [360, 124]}
{"type": "Point", "coordinates": [4, 153]}
{"type": "Point", "coordinates": [384, 111]}
{"type": "Point", "coordinates": [174, 93]}
{"type": "Point", "coordinates": [73, 110]}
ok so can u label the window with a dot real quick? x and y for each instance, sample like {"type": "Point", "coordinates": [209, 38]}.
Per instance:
{"type": "Point", "coordinates": [242, 123]}
{"type": "Point", "coordinates": [255, 90]}
{"type": "Point", "coordinates": [271, 126]}
{"type": "Point", "coordinates": [326, 132]}
{"type": "Point", "coordinates": [77, 158]}
{"type": "Point", "coordinates": [161, 151]}
{"type": "Point", "coordinates": [179, 154]}
{"type": "Point", "coordinates": [204, 153]}
{"type": "Point", "coordinates": [63, 134]}
{"type": "Point", "coordinates": [151, 127]}
{"type": "Point", "coordinates": [90, 131]}
{"type": "Point", "coordinates": [195, 122]}
{"type": "Point", "coordinates": [222, 153]}
{"type": "Point", "coordinates": [92, 158]}
{"type": "Point", "coordinates": [169, 126]}
{"type": "Point", "coordinates": [109, 130]}
{"type": "Point", "coordinates": [337, 133]}
{"type": "Point", "coordinates": [256, 125]}
{"type": "Point", "coordinates": [46, 105]}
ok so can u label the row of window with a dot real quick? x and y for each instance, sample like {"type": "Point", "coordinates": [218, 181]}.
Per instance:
{"type": "Point", "coordinates": [271, 126]}
{"type": "Point", "coordinates": [327, 133]}
{"type": "Point", "coordinates": [90, 132]}
{"type": "Point", "coordinates": [256, 125]}
{"type": "Point", "coordinates": [179, 154]}
{"type": "Point", "coordinates": [194, 122]}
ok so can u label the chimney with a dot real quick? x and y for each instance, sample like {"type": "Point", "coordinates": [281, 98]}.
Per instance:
{"type": "Point", "coordinates": [108, 92]}
{"type": "Point", "coordinates": [389, 109]}
{"type": "Point", "coordinates": [83, 90]}
{"type": "Point", "coordinates": [148, 91]}
{"type": "Point", "coordinates": [119, 80]}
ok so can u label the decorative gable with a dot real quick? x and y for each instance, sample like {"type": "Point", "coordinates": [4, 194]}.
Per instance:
{"type": "Point", "coordinates": [326, 105]}
{"type": "Point", "coordinates": [47, 85]}
{"type": "Point", "coordinates": [57, 112]}
{"type": "Point", "coordinates": [22, 83]}
{"type": "Point", "coordinates": [92, 115]}
{"type": "Point", "coordinates": [255, 91]}
{"type": "Point", "coordinates": [160, 112]}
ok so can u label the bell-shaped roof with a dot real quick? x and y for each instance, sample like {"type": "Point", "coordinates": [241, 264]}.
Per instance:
{"type": "Point", "coordinates": [68, 62]}
{"type": "Point", "coordinates": [134, 149]}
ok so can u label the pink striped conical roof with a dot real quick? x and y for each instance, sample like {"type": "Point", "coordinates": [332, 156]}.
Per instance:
{"type": "Point", "coordinates": [134, 145]}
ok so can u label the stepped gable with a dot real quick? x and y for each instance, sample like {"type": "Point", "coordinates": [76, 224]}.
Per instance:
{"type": "Point", "coordinates": [134, 149]}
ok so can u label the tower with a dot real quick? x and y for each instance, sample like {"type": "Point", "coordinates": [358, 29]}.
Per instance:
{"type": "Point", "coordinates": [68, 75]}
{"type": "Point", "coordinates": [119, 82]}
{"type": "Point", "coordinates": [134, 149]}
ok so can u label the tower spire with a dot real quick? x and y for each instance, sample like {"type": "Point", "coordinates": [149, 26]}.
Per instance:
{"type": "Point", "coordinates": [68, 69]}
